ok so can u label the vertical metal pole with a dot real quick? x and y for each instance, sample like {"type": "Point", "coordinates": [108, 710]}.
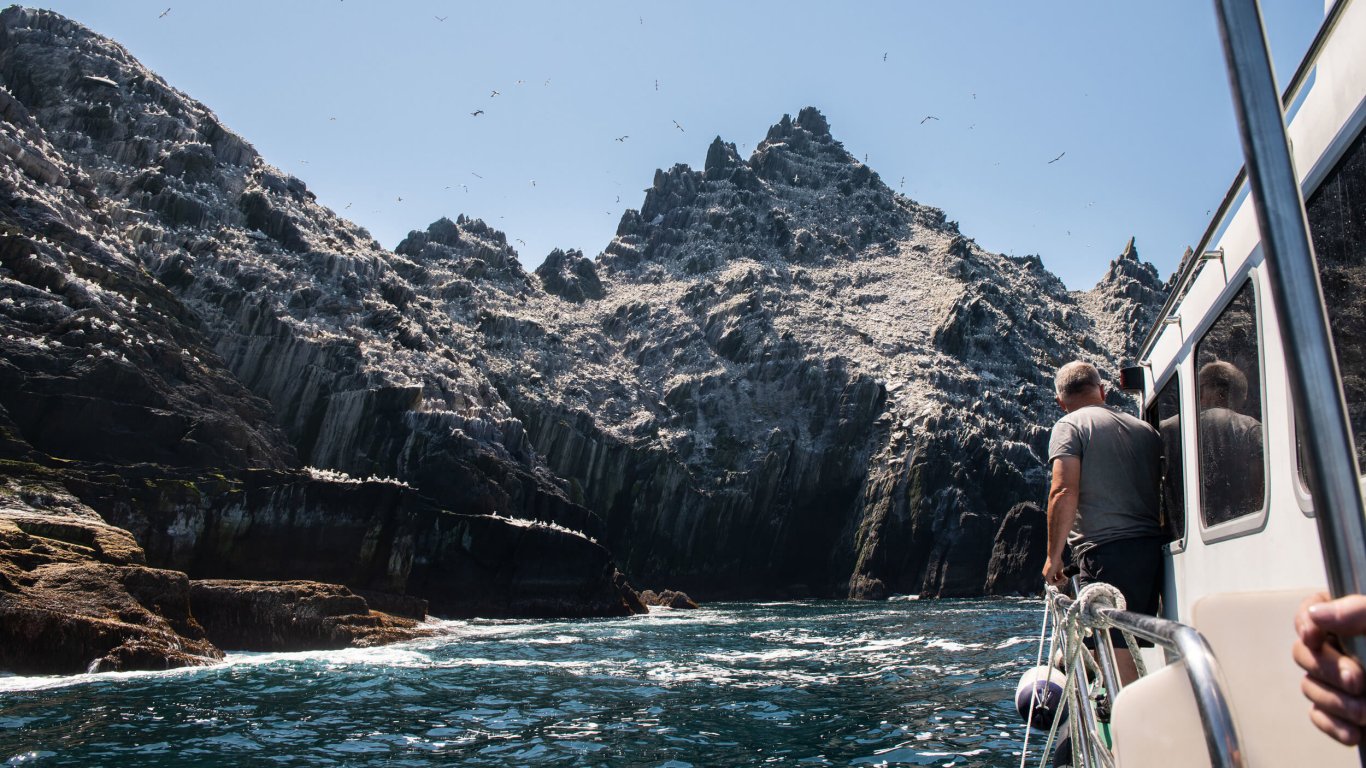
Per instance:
{"type": "Point", "coordinates": [1109, 670]}
{"type": "Point", "coordinates": [1314, 379]}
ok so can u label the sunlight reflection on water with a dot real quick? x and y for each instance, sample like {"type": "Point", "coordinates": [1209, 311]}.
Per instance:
{"type": "Point", "coordinates": [808, 683]}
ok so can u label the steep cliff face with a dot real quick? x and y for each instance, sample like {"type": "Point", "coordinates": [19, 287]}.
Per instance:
{"type": "Point", "coordinates": [779, 378]}
{"type": "Point", "coordinates": [184, 329]}
{"type": "Point", "coordinates": [797, 381]}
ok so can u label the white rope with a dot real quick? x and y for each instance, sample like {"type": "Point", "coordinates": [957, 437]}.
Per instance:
{"type": "Point", "coordinates": [1034, 694]}
{"type": "Point", "coordinates": [1068, 625]}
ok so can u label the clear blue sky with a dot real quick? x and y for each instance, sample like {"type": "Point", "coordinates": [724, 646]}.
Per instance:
{"type": "Point", "coordinates": [1133, 93]}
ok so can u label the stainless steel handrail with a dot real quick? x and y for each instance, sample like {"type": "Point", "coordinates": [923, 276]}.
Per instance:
{"type": "Point", "coordinates": [1202, 669]}
{"type": "Point", "coordinates": [1188, 267]}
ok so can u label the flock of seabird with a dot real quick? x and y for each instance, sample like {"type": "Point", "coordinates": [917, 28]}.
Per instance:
{"type": "Point", "coordinates": [623, 138]}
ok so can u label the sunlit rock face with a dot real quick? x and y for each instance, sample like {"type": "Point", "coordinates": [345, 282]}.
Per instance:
{"type": "Point", "coordinates": [184, 329]}
{"type": "Point", "coordinates": [780, 378]}
{"type": "Point", "coordinates": [799, 382]}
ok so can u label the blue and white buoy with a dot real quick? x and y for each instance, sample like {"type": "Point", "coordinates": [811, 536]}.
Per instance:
{"type": "Point", "coordinates": [1043, 685]}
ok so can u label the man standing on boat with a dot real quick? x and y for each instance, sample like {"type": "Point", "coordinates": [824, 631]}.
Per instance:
{"type": "Point", "coordinates": [1103, 499]}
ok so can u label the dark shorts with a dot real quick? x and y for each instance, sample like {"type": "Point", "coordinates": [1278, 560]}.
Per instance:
{"type": "Point", "coordinates": [1134, 567]}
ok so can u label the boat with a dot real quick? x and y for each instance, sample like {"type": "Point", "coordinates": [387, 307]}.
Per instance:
{"type": "Point", "coordinates": [1254, 373]}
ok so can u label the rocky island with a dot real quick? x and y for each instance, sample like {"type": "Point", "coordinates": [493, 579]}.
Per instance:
{"type": "Point", "coordinates": [231, 419]}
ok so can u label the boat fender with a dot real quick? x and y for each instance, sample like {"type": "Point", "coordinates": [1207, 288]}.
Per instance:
{"type": "Point", "coordinates": [1044, 685]}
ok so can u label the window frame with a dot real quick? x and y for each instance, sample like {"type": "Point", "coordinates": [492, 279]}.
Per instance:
{"type": "Point", "coordinates": [1324, 167]}
{"type": "Point", "coordinates": [1253, 522]}
{"type": "Point", "coordinates": [1177, 545]}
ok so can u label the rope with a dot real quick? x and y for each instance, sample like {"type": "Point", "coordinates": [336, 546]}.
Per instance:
{"type": "Point", "coordinates": [1069, 624]}
{"type": "Point", "coordinates": [1034, 695]}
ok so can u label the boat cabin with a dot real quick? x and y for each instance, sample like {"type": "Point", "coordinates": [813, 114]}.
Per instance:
{"type": "Point", "coordinates": [1215, 377]}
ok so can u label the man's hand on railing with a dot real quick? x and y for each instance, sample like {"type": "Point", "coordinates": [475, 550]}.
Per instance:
{"type": "Point", "coordinates": [1335, 683]}
{"type": "Point", "coordinates": [1052, 571]}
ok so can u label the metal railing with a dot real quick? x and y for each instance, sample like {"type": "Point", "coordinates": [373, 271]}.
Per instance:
{"type": "Point", "coordinates": [1099, 614]}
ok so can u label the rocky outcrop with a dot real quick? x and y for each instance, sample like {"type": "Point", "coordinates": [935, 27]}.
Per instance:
{"type": "Point", "coordinates": [570, 276]}
{"type": "Point", "coordinates": [798, 382]}
{"type": "Point", "coordinates": [1018, 552]}
{"type": "Point", "coordinates": [1124, 304]}
{"type": "Point", "coordinates": [76, 595]}
{"type": "Point", "coordinates": [668, 599]}
{"type": "Point", "coordinates": [292, 616]}
{"type": "Point", "coordinates": [185, 329]}
{"type": "Point", "coordinates": [780, 379]}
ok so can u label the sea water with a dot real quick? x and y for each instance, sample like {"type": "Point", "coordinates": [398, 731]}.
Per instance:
{"type": "Point", "coordinates": [903, 682]}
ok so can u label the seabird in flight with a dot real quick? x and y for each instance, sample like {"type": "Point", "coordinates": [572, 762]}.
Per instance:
{"type": "Point", "coordinates": [1056, 159]}
{"type": "Point", "coordinates": [163, 13]}
{"type": "Point", "coordinates": [495, 93]}
{"type": "Point", "coordinates": [441, 18]}
{"type": "Point", "coordinates": [679, 127]}
{"type": "Point", "coordinates": [477, 113]}
{"type": "Point", "coordinates": [928, 117]}
{"type": "Point", "coordinates": [623, 138]}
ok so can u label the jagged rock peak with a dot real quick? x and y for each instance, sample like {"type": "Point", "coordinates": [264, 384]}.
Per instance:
{"type": "Point", "coordinates": [469, 246]}
{"type": "Point", "coordinates": [1124, 303]}
{"type": "Point", "coordinates": [447, 232]}
{"type": "Point", "coordinates": [809, 120]}
{"type": "Point", "coordinates": [801, 197]}
{"type": "Point", "coordinates": [721, 159]}
{"type": "Point", "coordinates": [1129, 265]}
{"type": "Point", "coordinates": [570, 276]}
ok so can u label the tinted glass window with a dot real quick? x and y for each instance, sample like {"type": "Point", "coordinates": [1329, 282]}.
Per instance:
{"type": "Point", "coordinates": [1337, 223]}
{"type": "Point", "coordinates": [1166, 416]}
{"type": "Point", "coordinates": [1229, 413]}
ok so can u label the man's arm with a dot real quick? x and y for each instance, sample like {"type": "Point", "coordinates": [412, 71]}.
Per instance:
{"type": "Point", "coordinates": [1062, 513]}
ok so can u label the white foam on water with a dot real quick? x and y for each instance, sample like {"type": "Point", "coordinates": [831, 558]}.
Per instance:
{"type": "Point", "coordinates": [1014, 641]}
{"type": "Point", "coordinates": [951, 645]}
{"type": "Point", "coordinates": [778, 654]}
{"type": "Point", "coordinates": [888, 644]}
{"type": "Point", "coordinates": [556, 640]}
{"type": "Point", "coordinates": [16, 683]}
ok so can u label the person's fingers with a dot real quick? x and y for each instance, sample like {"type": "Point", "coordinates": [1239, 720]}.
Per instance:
{"type": "Point", "coordinates": [1331, 667]}
{"type": "Point", "coordinates": [1344, 616]}
{"type": "Point", "coordinates": [1308, 631]}
{"type": "Point", "coordinates": [1333, 701]}
{"type": "Point", "coordinates": [1340, 730]}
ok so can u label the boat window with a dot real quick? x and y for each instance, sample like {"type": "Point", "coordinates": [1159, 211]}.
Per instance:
{"type": "Point", "coordinates": [1337, 223]}
{"type": "Point", "coordinates": [1166, 416]}
{"type": "Point", "coordinates": [1229, 421]}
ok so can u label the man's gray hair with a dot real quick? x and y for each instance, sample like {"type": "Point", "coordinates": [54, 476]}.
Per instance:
{"type": "Point", "coordinates": [1076, 377]}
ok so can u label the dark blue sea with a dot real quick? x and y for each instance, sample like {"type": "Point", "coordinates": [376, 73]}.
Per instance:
{"type": "Point", "coordinates": [903, 682]}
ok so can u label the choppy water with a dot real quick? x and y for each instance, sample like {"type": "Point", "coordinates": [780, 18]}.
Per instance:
{"type": "Point", "coordinates": [808, 684]}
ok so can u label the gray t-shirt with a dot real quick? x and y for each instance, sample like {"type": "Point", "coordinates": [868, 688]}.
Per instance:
{"type": "Point", "coordinates": [1120, 472]}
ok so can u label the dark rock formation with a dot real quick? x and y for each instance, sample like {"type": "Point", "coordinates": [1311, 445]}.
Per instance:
{"type": "Point", "coordinates": [292, 616]}
{"type": "Point", "coordinates": [184, 329]}
{"type": "Point", "coordinates": [800, 383]}
{"type": "Point", "coordinates": [77, 596]}
{"type": "Point", "coordinates": [570, 276]}
{"type": "Point", "coordinates": [781, 378]}
{"type": "Point", "coordinates": [1019, 551]}
{"type": "Point", "coordinates": [1125, 303]}
{"type": "Point", "coordinates": [668, 599]}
